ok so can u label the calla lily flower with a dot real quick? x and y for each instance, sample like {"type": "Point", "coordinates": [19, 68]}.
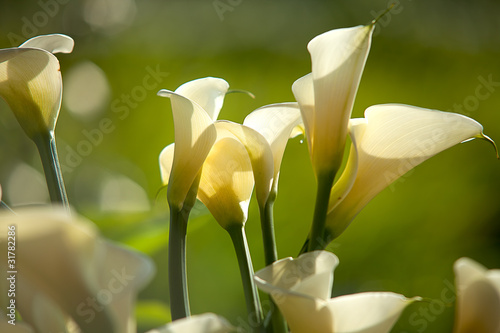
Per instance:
{"type": "Point", "coordinates": [68, 273]}
{"type": "Point", "coordinates": [195, 106]}
{"type": "Point", "coordinates": [391, 140]}
{"type": "Point", "coordinates": [203, 323]}
{"type": "Point", "coordinates": [239, 159]}
{"type": "Point", "coordinates": [30, 81]}
{"type": "Point", "coordinates": [302, 287]}
{"type": "Point", "coordinates": [277, 123]}
{"type": "Point", "coordinates": [478, 298]}
{"type": "Point", "coordinates": [326, 95]}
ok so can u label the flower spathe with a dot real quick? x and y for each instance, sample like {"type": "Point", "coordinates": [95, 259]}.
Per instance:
{"type": "Point", "coordinates": [301, 288]}
{"type": "Point", "coordinates": [239, 159]}
{"type": "Point", "coordinates": [327, 94]}
{"type": "Point", "coordinates": [31, 83]}
{"type": "Point", "coordinates": [69, 273]}
{"type": "Point", "coordinates": [390, 141]}
{"type": "Point", "coordinates": [478, 298]}
{"type": "Point", "coordinates": [203, 323]}
{"type": "Point", "coordinates": [195, 106]}
{"type": "Point", "coordinates": [277, 123]}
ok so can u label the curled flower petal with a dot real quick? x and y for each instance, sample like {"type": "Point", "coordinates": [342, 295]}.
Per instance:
{"type": "Point", "coordinates": [259, 152]}
{"type": "Point", "coordinates": [227, 181]}
{"type": "Point", "coordinates": [338, 59]}
{"type": "Point", "coordinates": [194, 137]}
{"type": "Point", "coordinates": [31, 84]}
{"type": "Point", "coordinates": [195, 106]}
{"type": "Point", "coordinates": [203, 323]}
{"type": "Point", "coordinates": [277, 123]}
{"type": "Point", "coordinates": [301, 288]}
{"type": "Point", "coordinates": [207, 92]}
{"type": "Point", "coordinates": [391, 140]}
{"type": "Point", "coordinates": [55, 43]}
{"type": "Point", "coordinates": [370, 312]}
{"type": "Point", "coordinates": [478, 301]}
{"type": "Point", "coordinates": [166, 159]}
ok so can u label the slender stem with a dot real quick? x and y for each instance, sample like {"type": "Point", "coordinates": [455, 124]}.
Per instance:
{"type": "Point", "coordinates": [271, 255]}
{"type": "Point", "coordinates": [179, 300]}
{"type": "Point", "coordinates": [237, 234]}
{"type": "Point", "coordinates": [267, 226]}
{"type": "Point", "coordinates": [46, 144]}
{"type": "Point", "coordinates": [325, 183]}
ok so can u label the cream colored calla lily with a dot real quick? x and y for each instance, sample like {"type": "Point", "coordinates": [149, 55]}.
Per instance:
{"type": "Point", "coordinates": [326, 95]}
{"type": "Point", "coordinates": [195, 106]}
{"type": "Point", "coordinates": [478, 298]}
{"type": "Point", "coordinates": [68, 273]}
{"type": "Point", "coordinates": [391, 140]}
{"type": "Point", "coordinates": [277, 123]}
{"type": "Point", "coordinates": [302, 287]}
{"type": "Point", "coordinates": [239, 159]}
{"type": "Point", "coordinates": [30, 81]}
{"type": "Point", "coordinates": [203, 323]}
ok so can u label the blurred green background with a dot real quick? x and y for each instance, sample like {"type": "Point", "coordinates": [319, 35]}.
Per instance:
{"type": "Point", "coordinates": [112, 127]}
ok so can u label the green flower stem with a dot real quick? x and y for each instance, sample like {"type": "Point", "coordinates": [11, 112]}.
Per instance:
{"type": "Point", "coordinates": [271, 255]}
{"type": "Point", "coordinates": [267, 226]}
{"type": "Point", "coordinates": [179, 300]}
{"type": "Point", "coordinates": [46, 144]}
{"type": "Point", "coordinates": [237, 234]}
{"type": "Point", "coordinates": [325, 183]}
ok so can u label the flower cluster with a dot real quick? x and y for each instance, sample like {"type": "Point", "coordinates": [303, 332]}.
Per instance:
{"type": "Point", "coordinates": [90, 284]}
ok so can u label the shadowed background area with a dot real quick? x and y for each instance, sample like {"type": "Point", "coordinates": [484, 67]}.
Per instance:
{"type": "Point", "coordinates": [112, 127]}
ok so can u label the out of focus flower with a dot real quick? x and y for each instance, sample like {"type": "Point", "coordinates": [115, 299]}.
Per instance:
{"type": "Point", "coordinates": [31, 83]}
{"type": "Point", "coordinates": [301, 288]}
{"type": "Point", "coordinates": [478, 298]}
{"type": "Point", "coordinates": [68, 275]}
{"type": "Point", "coordinates": [203, 323]}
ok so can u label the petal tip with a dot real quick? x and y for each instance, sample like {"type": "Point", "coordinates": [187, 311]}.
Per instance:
{"type": "Point", "coordinates": [164, 93]}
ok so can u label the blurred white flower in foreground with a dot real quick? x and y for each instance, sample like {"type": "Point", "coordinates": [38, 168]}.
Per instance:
{"type": "Point", "coordinates": [478, 298]}
{"type": "Point", "coordinates": [302, 289]}
{"type": "Point", "coordinates": [203, 323]}
{"type": "Point", "coordinates": [67, 274]}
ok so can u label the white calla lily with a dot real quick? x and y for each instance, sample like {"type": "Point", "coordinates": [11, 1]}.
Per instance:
{"type": "Point", "coordinates": [277, 123]}
{"type": "Point", "coordinates": [301, 288]}
{"type": "Point", "coordinates": [239, 159]}
{"type": "Point", "coordinates": [391, 140]}
{"type": "Point", "coordinates": [326, 96]}
{"type": "Point", "coordinates": [195, 105]}
{"type": "Point", "coordinates": [31, 83]}
{"type": "Point", "coordinates": [478, 298]}
{"type": "Point", "coordinates": [203, 323]}
{"type": "Point", "coordinates": [70, 273]}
